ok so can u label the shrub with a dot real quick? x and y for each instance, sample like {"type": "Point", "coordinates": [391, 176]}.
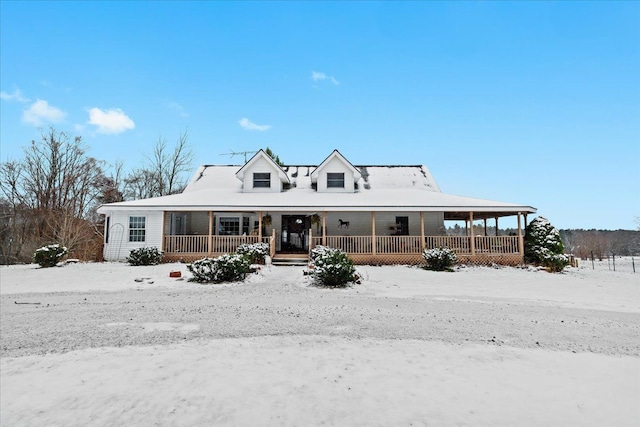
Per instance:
{"type": "Point", "coordinates": [332, 267]}
{"type": "Point", "coordinates": [145, 256]}
{"type": "Point", "coordinates": [440, 259]}
{"type": "Point", "coordinates": [50, 255]}
{"type": "Point", "coordinates": [225, 268]}
{"type": "Point", "coordinates": [254, 251]}
{"type": "Point", "coordinates": [543, 245]}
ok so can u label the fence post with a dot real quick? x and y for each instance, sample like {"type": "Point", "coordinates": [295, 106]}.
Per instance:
{"type": "Point", "coordinates": [614, 261]}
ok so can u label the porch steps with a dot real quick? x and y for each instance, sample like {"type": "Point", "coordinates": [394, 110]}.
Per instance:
{"type": "Point", "coordinates": [290, 260]}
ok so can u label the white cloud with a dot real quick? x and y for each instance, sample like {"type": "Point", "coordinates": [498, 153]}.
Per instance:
{"type": "Point", "coordinates": [248, 125]}
{"type": "Point", "coordinates": [317, 76]}
{"type": "Point", "coordinates": [177, 107]}
{"type": "Point", "coordinates": [110, 121]}
{"type": "Point", "coordinates": [40, 112]}
{"type": "Point", "coordinates": [15, 96]}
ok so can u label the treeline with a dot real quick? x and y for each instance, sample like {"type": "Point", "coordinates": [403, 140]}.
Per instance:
{"type": "Point", "coordinates": [602, 243]}
{"type": "Point", "coordinates": [51, 194]}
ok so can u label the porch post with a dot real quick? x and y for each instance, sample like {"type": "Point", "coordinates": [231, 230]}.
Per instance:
{"type": "Point", "coordinates": [164, 220]}
{"type": "Point", "coordinates": [373, 233]}
{"type": "Point", "coordinates": [272, 243]}
{"type": "Point", "coordinates": [422, 242]}
{"type": "Point", "coordinates": [260, 226]}
{"type": "Point", "coordinates": [496, 226]}
{"type": "Point", "coordinates": [324, 228]}
{"type": "Point", "coordinates": [485, 226]}
{"type": "Point", "coordinates": [209, 249]}
{"type": "Point", "coordinates": [520, 239]}
{"type": "Point", "coordinates": [472, 245]}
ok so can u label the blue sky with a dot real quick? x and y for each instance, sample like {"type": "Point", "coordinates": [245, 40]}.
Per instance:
{"type": "Point", "coordinates": [526, 102]}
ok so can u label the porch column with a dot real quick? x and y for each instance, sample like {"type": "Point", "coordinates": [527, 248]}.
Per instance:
{"type": "Point", "coordinates": [496, 226]}
{"type": "Point", "coordinates": [324, 228]}
{"type": "Point", "coordinates": [422, 242]}
{"type": "Point", "coordinates": [373, 233]}
{"type": "Point", "coordinates": [520, 239]}
{"type": "Point", "coordinates": [209, 249]}
{"type": "Point", "coordinates": [485, 226]}
{"type": "Point", "coordinates": [164, 221]}
{"type": "Point", "coordinates": [260, 226]}
{"type": "Point", "coordinates": [472, 244]}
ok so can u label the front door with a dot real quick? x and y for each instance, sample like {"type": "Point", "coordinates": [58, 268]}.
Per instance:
{"type": "Point", "coordinates": [295, 233]}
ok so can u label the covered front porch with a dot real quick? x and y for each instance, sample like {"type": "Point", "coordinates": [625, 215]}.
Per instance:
{"type": "Point", "coordinates": [367, 237]}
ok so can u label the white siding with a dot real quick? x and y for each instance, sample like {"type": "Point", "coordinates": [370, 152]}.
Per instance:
{"type": "Point", "coordinates": [335, 165]}
{"type": "Point", "coordinates": [261, 165]}
{"type": "Point", "coordinates": [119, 246]}
{"type": "Point", "coordinates": [360, 223]}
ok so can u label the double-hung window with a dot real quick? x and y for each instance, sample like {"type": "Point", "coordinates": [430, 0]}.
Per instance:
{"type": "Point", "coordinates": [137, 229]}
{"type": "Point", "coordinates": [335, 180]}
{"type": "Point", "coordinates": [261, 180]}
{"type": "Point", "coordinates": [229, 226]}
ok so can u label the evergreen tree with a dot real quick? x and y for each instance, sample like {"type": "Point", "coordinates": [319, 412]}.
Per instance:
{"type": "Point", "coordinates": [273, 156]}
{"type": "Point", "coordinates": [543, 245]}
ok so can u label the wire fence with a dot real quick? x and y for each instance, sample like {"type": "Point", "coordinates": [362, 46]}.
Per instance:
{"type": "Point", "coordinates": [624, 264]}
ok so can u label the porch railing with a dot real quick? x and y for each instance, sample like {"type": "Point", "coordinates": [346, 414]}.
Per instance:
{"type": "Point", "coordinates": [200, 243]}
{"type": "Point", "coordinates": [411, 244]}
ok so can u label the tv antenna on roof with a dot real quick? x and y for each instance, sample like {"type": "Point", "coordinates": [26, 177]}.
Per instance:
{"type": "Point", "coordinates": [239, 153]}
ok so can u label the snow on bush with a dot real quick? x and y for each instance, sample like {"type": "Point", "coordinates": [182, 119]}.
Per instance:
{"type": "Point", "coordinates": [543, 245]}
{"type": "Point", "coordinates": [256, 252]}
{"type": "Point", "coordinates": [225, 268]}
{"type": "Point", "coordinates": [440, 259]}
{"type": "Point", "coordinates": [145, 256]}
{"type": "Point", "coordinates": [50, 255]}
{"type": "Point", "coordinates": [332, 267]}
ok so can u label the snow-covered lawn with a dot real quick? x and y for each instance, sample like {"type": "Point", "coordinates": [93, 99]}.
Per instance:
{"type": "Point", "coordinates": [333, 379]}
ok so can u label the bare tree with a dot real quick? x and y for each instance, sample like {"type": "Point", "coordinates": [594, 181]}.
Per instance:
{"type": "Point", "coordinates": [56, 184]}
{"type": "Point", "coordinates": [164, 172]}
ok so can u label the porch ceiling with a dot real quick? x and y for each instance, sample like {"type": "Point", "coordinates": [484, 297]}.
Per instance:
{"type": "Point", "coordinates": [464, 215]}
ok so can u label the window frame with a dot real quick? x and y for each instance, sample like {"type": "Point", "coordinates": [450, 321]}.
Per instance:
{"type": "Point", "coordinates": [234, 222]}
{"type": "Point", "coordinates": [137, 228]}
{"type": "Point", "coordinates": [263, 181]}
{"type": "Point", "coordinates": [335, 181]}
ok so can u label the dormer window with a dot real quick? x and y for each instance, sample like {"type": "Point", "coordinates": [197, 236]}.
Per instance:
{"type": "Point", "coordinates": [335, 180]}
{"type": "Point", "coordinates": [262, 180]}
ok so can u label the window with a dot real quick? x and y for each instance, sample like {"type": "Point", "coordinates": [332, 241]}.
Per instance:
{"type": "Point", "coordinates": [137, 232]}
{"type": "Point", "coordinates": [106, 229]}
{"type": "Point", "coordinates": [262, 180]}
{"type": "Point", "coordinates": [402, 225]}
{"type": "Point", "coordinates": [335, 180]}
{"type": "Point", "coordinates": [229, 226]}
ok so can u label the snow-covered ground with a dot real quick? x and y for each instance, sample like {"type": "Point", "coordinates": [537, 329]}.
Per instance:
{"type": "Point", "coordinates": [101, 348]}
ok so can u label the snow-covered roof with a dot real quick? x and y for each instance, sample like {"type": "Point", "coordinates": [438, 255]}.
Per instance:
{"type": "Point", "coordinates": [380, 188]}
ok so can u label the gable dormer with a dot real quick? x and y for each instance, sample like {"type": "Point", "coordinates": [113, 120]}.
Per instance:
{"type": "Point", "coordinates": [335, 175]}
{"type": "Point", "coordinates": [262, 175]}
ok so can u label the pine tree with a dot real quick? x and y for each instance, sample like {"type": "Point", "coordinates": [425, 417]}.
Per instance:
{"type": "Point", "coordinates": [543, 245]}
